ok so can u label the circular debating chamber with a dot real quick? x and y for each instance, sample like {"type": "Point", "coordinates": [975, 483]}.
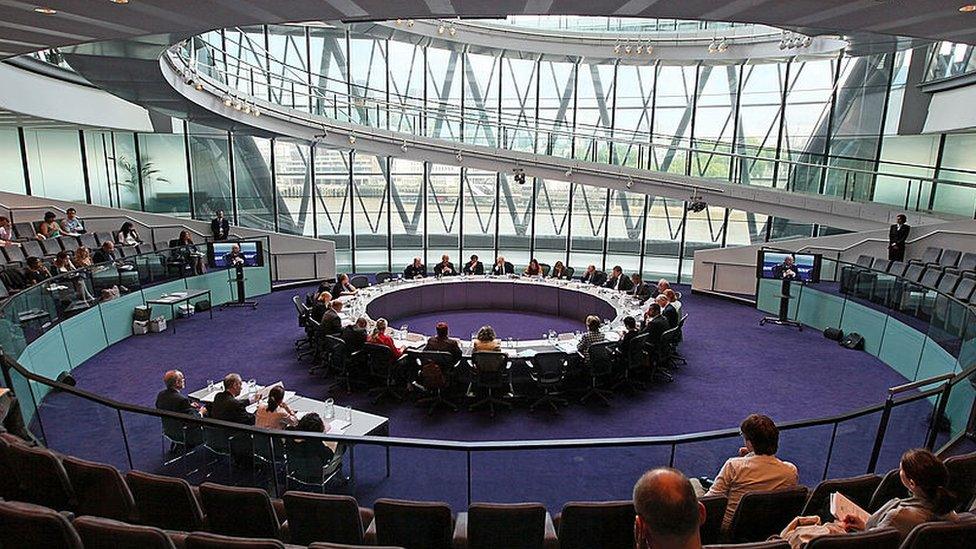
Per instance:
{"type": "Point", "coordinates": [454, 275]}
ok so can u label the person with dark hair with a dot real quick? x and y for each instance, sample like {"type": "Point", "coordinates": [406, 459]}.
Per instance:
{"type": "Point", "coordinates": [639, 289]}
{"type": "Point", "coordinates": [275, 413]}
{"type": "Point", "coordinates": [189, 254]}
{"type": "Point", "coordinates": [897, 237]}
{"type": "Point", "coordinates": [558, 271]}
{"type": "Point", "coordinates": [342, 286]}
{"type": "Point", "coordinates": [473, 267]}
{"type": "Point", "coordinates": [592, 335]}
{"type": "Point", "coordinates": [445, 267]}
{"type": "Point", "coordinates": [443, 342]}
{"type": "Point", "coordinates": [35, 272]}
{"type": "Point", "coordinates": [669, 514]}
{"type": "Point", "coordinates": [219, 226]}
{"type": "Point", "coordinates": [49, 227]}
{"type": "Point", "coordinates": [331, 321]}
{"type": "Point", "coordinates": [756, 467]}
{"type": "Point", "coordinates": [630, 331]}
{"type": "Point", "coordinates": [486, 340]}
{"type": "Point", "coordinates": [618, 280]}
{"type": "Point", "coordinates": [354, 335]}
{"type": "Point", "coordinates": [533, 268]}
{"type": "Point", "coordinates": [6, 233]}
{"type": "Point", "coordinates": [128, 235]}
{"type": "Point", "coordinates": [655, 324]}
{"type": "Point", "coordinates": [72, 224]}
{"type": "Point", "coordinates": [311, 450]}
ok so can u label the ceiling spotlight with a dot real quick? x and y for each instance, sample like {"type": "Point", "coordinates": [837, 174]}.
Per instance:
{"type": "Point", "coordinates": [228, 101]}
{"type": "Point", "coordinates": [352, 139]}
{"type": "Point", "coordinates": [247, 108]}
{"type": "Point", "coordinates": [255, 111]}
{"type": "Point", "coordinates": [453, 31]}
{"type": "Point", "coordinates": [639, 50]}
{"type": "Point", "coordinates": [616, 49]}
{"type": "Point", "coordinates": [627, 49]}
{"type": "Point", "coordinates": [649, 50]}
{"type": "Point", "coordinates": [569, 172]}
{"type": "Point", "coordinates": [399, 22]}
{"type": "Point", "coordinates": [458, 156]}
{"type": "Point", "coordinates": [409, 22]}
{"type": "Point", "coordinates": [45, 11]}
{"type": "Point", "coordinates": [119, 1]}
{"type": "Point", "coordinates": [713, 46]}
{"type": "Point", "coordinates": [968, 8]}
{"type": "Point", "coordinates": [238, 105]}
{"type": "Point", "coordinates": [807, 41]}
{"type": "Point", "coordinates": [441, 29]}
{"type": "Point", "coordinates": [630, 182]}
{"type": "Point", "coordinates": [199, 86]}
{"type": "Point", "coordinates": [519, 176]}
{"type": "Point", "coordinates": [403, 146]}
{"type": "Point", "coordinates": [723, 46]}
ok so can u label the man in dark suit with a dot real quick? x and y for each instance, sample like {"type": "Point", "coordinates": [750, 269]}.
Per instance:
{"type": "Point", "coordinates": [235, 257]}
{"type": "Point", "coordinates": [617, 280]}
{"type": "Point", "coordinates": [415, 270]}
{"type": "Point", "coordinates": [220, 227]}
{"type": "Point", "coordinates": [331, 321]}
{"type": "Point", "coordinates": [445, 267]}
{"type": "Point", "coordinates": [473, 267]}
{"type": "Point", "coordinates": [502, 267]}
{"type": "Point", "coordinates": [171, 399]}
{"type": "Point", "coordinates": [321, 306]}
{"type": "Point", "coordinates": [786, 270]}
{"type": "Point", "coordinates": [228, 407]}
{"type": "Point", "coordinates": [667, 310]}
{"type": "Point", "coordinates": [897, 236]}
{"type": "Point", "coordinates": [355, 335]}
{"type": "Point", "coordinates": [443, 342]}
{"type": "Point", "coordinates": [588, 274]}
{"type": "Point", "coordinates": [106, 253]}
{"type": "Point", "coordinates": [639, 289]}
{"type": "Point", "coordinates": [654, 324]}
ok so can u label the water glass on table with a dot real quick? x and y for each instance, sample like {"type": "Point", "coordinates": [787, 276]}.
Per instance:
{"type": "Point", "coordinates": [329, 408]}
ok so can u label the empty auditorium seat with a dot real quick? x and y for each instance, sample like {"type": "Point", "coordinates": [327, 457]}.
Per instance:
{"type": "Point", "coordinates": [761, 514]}
{"type": "Point", "coordinates": [881, 538]}
{"type": "Point", "coordinates": [324, 545]}
{"type": "Point", "coordinates": [509, 525]}
{"type": "Point", "coordinates": [25, 231]}
{"type": "Point", "coordinates": [32, 248]}
{"type": "Point", "coordinates": [42, 478]}
{"type": "Point", "coordinates": [967, 263]}
{"type": "Point", "coordinates": [949, 258]}
{"type": "Point", "coordinates": [964, 290]}
{"type": "Point", "coordinates": [69, 243]}
{"type": "Point", "coordinates": [711, 530]}
{"type": "Point", "coordinates": [778, 544]}
{"type": "Point", "coordinates": [609, 525]}
{"type": "Point", "coordinates": [331, 518]}
{"type": "Point", "coordinates": [930, 255]}
{"type": "Point", "coordinates": [203, 540]}
{"type": "Point", "coordinates": [165, 502]}
{"type": "Point", "coordinates": [98, 532]}
{"type": "Point", "coordinates": [28, 525]}
{"type": "Point", "coordinates": [51, 246]}
{"type": "Point", "coordinates": [238, 511]}
{"type": "Point", "coordinates": [942, 535]}
{"type": "Point", "coordinates": [99, 489]}
{"type": "Point", "coordinates": [857, 489]}
{"type": "Point", "coordinates": [411, 524]}
{"type": "Point", "coordinates": [962, 478]}
{"type": "Point", "coordinates": [9, 483]}
{"type": "Point", "coordinates": [88, 240]}
{"type": "Point", "coordinates": [15, 255]}
{"type": "Point", "coordinates": [890, 488]}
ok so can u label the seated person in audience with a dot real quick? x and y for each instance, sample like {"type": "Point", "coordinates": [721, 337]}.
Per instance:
{"type": "Point", "coordinates": [502, 267]}
{"type": "Point", "coordinates": [662, 285]}
{"type": "Point", "coordinates": [640, 290]}
{"type": "Point", "coordinates": [486, 341]}
{"type": "Point", "coordinates": [533, 268]}
{"type": "Point", "coordinates": [331, 320]}
{"type": "Point", "coordinates": [592, 335]}
{"type": "Point", "coordinates": [71, 224]}
{"type": "Point", "coordinates": [320, 306]}
{"type": "Point", "coordinates": [49, 227]}
{"type": "Point", "coordinates": [227, 406]}
{"type": "Point", "coordinates": [630, 331]}
{"type": "Point", "coordinates": [128, 236]}
{"type": "Point", "coordinates": [756, 467]}
{"type": "Point", "coordinates": [355, 335]}
{"type": "Point", "coordinates": [312, 423]}
{"type": "Point", "coordinates": [669, 514]}
{"type": "Point", "coordinates": [275, 413]}
{"type": "Point", "coordinates": [654, 324]}
{"type": "Point", "coordinates": [588, 274]}
{"type": "Point", "coordinates": [925, 477]}
{"type": "Point", "coordinates": [6, 233]}
{"type": "Point", "coordinates": [443, 342]}
{"type": "Point", "coordinates": [558, 271]}
{"type": "Point", "coordinates": [106, 253]}
{"type": "Point", "coordinates": [219, 226]}
{"type": "Point", "coordinates": [668, 310]}
{"type": "Point", "coordinates": [62, 263]}
{"type": "Point", "coordinates": [445, 267]}
{"type": "Point", "coordinates": [83, 257]}
{"type": "Point", "coordinates": [416, 269]}
{"type": "Point", "coordinates": [473, 267]}
{"type": "Point", "coordinates": [618, 280]}
{"type": "Point", "coordinates": [189, 254]}
{"type": "Point", "coordinates": [35, 272]}
{"type": "Point", "coordinates": [172, 400]}
{"type": "Point", "coordinates": [673, 300]}
{"type": "Point", "coordinates": [342, 286]}
{"type": "Point", "coordinates": [380, 337]}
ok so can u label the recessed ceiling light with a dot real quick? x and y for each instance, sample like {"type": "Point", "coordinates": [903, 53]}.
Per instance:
{"type": "Point", "coordinates": [45, 11]}
{"type": "Point", "coordinates": [968, 8]}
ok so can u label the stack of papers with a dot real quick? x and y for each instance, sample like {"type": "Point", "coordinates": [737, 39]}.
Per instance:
{"type": "Point", "coordinates": [841, 507]}
{"type": "Point", "coordinates": [567, 346]}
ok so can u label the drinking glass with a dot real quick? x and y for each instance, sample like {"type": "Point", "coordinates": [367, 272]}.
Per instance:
{"type": "Point", "coordinates": [210, 386]}
{"type": "Point", "coordinates": [329, 408]}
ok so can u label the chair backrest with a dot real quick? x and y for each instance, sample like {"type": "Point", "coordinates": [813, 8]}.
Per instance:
{"type": "Point", "coordinates": [889, 488]}
{"type": "Point", "coordinates": [359, 281]}
{"type": "Point", "coordinates": [601, 357]}
{"type": "Point", "coordinates": [880, 538]}
{"type": "Point", "coordinates": [103, 237]}
{"type": "Point", "coordinates": [962, 478]}
{"type": "Point", "coordinates": [857, 489]}
{"type": "Point", "coordinates": [15, 254]}
{"type": "Point", "coordinates": [413, 524]}
{"type": "Point", "coordinates": [636, 350]}
{"type": "Point", "coordinates": [43, 480]}
{"type": "Point", "coordinates": [931, 255]}
{"type": "Point", "coordinates": [549, 366]}
{"type": "Point", "coordinates": [319, 517]}
{"type": "Point", "coordinates": [239, 511]}
{"type": "Point", "coordinates": [100, 490]}
{"type": "Point", "coordinates": [914, 272]}
{"type": "Point", "coordinates": [165, 502]}
{"type": "Point", "coordinates": [88, 240]}
{"type": "Point", "coordinates": [383, 276]}
{"type": "Point", "coordinates": [864, 260]}
{"type": "Point", "coordinates": [775, 544]}
{"type": "Point", "coordinates": [967, 262]}
{"type": "Point", "coordinates": [942, 535]}
{"type": "Point", "coordinates": [102, 532]}
{"type": "Point", "coordinates": [609, 525]}
{"type": "Point", "coordinates": [763, 513]}
{"type": "Point", "coordinates": [32, 248]}
{"type": "Point", "coordinates": [489, 367]}
{"type": "Point", "coordinates": [931, 278]}
{"type": "Point", "coordinates": [69, 243]}
{"type": "Point", "coordinates": [964, 290]}
{"type": "Point", "coordinates": [950, 258]}
{"type": "Point", "coordinates": [51, 246]}
{"type": "Point", "coordinates": [509, 525]}
{"type": "Point", "coordinates": [27, 525]}
{"type": "Point", "coordinates": [145, 248]}
{"type": "Point", "coordinates": [711, 530]}
{"type": "Point", "coordinates": [378, 358]}
{"type": "Point", "coordinates": [569, 272]}
{"type": "Point", "coordinates": [203, 540]}
{"type": "Point", "coordinates": [324, 545]}
{"type": "Point", "coordinates": [443, 359]}
{"type": "Point", "coordinates": [948, 283]}
{"type": "Point", "coordinates": [25, 230]}
{"type": "Point", "coordinates": [897, 268]}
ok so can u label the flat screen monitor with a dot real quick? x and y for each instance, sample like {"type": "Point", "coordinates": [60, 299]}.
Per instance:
{"type": "Point", "coordinates": [789, 266]}
{"type": "Point", "coordinates": [220, 252]}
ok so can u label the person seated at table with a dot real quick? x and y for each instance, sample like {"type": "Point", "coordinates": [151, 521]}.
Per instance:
{"type": "Point", "coordinates": [630, 331]}
{"type": "Point", "coordinates": [49, 227]}
{"type": "Point", "coordinates": [654, 324]}
{"type": "Point", "coordinates": [558, 271]}
{"type": "Point", "coordinates": [229, 406]}
{"type": "Point", "coordinates": [128, 236]}
{"type": "Point", "coordinates": [380, 337]}
{"type": "Point", "coordinates": [639, 289]}
{"type": "Point", "coordinates": [320, 306]}
{"type": "Point", "coordinates": [331, 323]}
{"type": "Point", "coordinates": [533, 268]}
{"type": "Point", "coordinates": [62, 263]}
{"type": "Point", "coordinates": [72, 224]}
{"type": "Point", "coordinates": [592, 335]}
{"type": "Point", "coordinates": [83, 257]}
{"type": "Point", "coordinates": [274, 413]}
{"type": "Point", "coordinates": [668, 311]}
{"type": "Point", "coordinates": [486, 341]}
{"type": "Point", "coordinates": [473, 267]}
{"type": "Point", "coordinates": [445, 267]}
{"type": "Point", "coordinates": [502, 267]}
{"type": "Point", "coordinates": [618, 280]}
{"type": "Point", "coordinates": [342, 286]}
{"type": "Point", "coordinates": [443, 342]}
{"type": "Point", "coordinates": [6, 233]}
{"type": "Point", "coordinates": [593, 276]}
{"type": "Point", "coordinates": [673, 300]}
{"type": "Point", "coordinates": [106, 253]}
{"type": "Point", "coordinates": [355, 335]}
{"type": "Point", "coordinates": [189, 254]}
{"type": "Point", "coordinates": [35, 272]}
{"type": "Point", "coordinates": [171, 399]}
{"type": "Point", "coordinates": [662, 285]}
{"type": "Point", "coordinates": [320, 452]}
{"type": "Point", "coordinates": [416, 269]}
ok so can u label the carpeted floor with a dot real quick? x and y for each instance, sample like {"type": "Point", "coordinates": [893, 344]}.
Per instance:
{"type": "Point", "coordinates": [735, 367]}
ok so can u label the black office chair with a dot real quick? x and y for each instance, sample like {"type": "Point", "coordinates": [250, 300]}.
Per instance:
{"type": "Point", "coordinates": [569, 273]}
{"type": "Point", "coordinates": [437, 370]}
{"type": "Point", "coordinates": [383, 276]}
{"type": "Point", "coordinates": [633, 364]}
{"type": "Point", "coordinates": [359, 281]}
{"type": "Point", "coordinates": [490, 371]}
{"type": "Point", "coordinates": [302, 312]}
{"type": "Point", "coordinates": [545, 268]}
{"type": "Point", "coordinates": [379, 362]}
{"type": "Point", "coordinates": [548, 371]}
{"type": "Point", "coordinates": [599, 368]}
{"type": "Point", "coordinates": [344, 364]}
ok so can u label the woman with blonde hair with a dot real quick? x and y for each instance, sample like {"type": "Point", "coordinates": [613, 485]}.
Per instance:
{"type": "Point", "coordinates": [380, 337]}
{"type": "Point", "coordinates": [82, 257]}
{"type": "Point", "coordinates": [487, 340]}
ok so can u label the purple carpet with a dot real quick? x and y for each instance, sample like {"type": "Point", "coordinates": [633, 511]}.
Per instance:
{"type": "Point", "coordinates": [735, 367]}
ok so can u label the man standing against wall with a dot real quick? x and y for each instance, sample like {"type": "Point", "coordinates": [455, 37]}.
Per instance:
{"type": "Point", "coordinates": [897, 236]}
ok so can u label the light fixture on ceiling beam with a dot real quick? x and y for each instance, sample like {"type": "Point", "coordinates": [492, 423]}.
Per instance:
{"type": "Point", "coordinates": [410, 23]}
{"type": "Point", "coordinates": [441, 29]}
{"type": "Point", "coordinates": [228, 101]}
{"type": "Point", "coordinates": [120, 2]}
{"type": "Point", "coordinates": [627, 49]}
{"type": "Point", "coordinates": [453, 31]}
{"type": "Point", "coordinates": [403, 146]}
{"type": "Point", "coordinates": [569, 172]}
{"type": "Point", "coordinates": [255, 111]}
{"type": "Point", "coordinates": [639, 50]}
{"type": "Point", "coordinates": [713, 46]}
{"type": "Point", "coordinates": [630, 182]}
{"type": "Point", "coordinates": [459, 158]}
{"type": "Point", "coordinates": [352, 139]}
{"type": "Point", "coordinates": [45, 11]}
{"type": "Point", "coordinates": [649, 49]}
{"type": "Point", "coordinates": [723, 46]}
{"type": "Point", "coordinates": [616, 48]}
{"type": "Point", "coordinates": [399, 22]}
{"type": "Point", "coordinates": [968, 8]}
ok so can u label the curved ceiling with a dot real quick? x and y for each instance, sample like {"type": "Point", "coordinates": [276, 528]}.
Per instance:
{"type": "Point", "coordinates": [22, 29]}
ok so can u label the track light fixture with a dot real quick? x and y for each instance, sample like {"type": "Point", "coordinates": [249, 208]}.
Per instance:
{"type": "Point", "coordinates": [519, 176]}
{"type": "Point", "coordinates": [639, 50]}
{"type": "Point", "coordinates": [569, 172]}
{"type": "Point", "coordinates": [410, 22]}
{"type": "Point", "coordinates": [791, 40]}
{"type": "Point", "coordinates": [441, 29]}
{"type": "Point", "coordinates": [247, 108]}
{"type": "Point", "coordinates": [649, 49]}
{"type": "Point", "coordinates": [723, 46]}
{"type": "Point", "coordinates": [352, 139]}
{"type": "Point", "coordinates": [256, 112]}
{"type": "Point", "coordinates": [228, 101]}
{"type": "Point", "coordinates": [403, 146]}
{"type": "Point", "coordinates": [713, 46]}
{"type": "Point", "coordinates": [627, 49]}
{"type": "Point", "coordinates": [630, 182]}
{"type": "Point", "coordinates": [199, 86]}
{"type": "Point", "coordinates": [459, 157]}
{"type": "Point", "coordinates": [453, 31]}
{"type": "Point", "coordinates": [616, 48]}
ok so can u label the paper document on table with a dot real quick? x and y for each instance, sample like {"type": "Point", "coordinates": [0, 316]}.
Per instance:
{"type": "Point", "coordinates": [566, 336]}
{"type": "Point", "coordinates": [266, 390]}
{"type": "Point", "coordinates": [841, 507]}
{"type": "Point", "coordinates": [337, 426]}
{"type": "Point", "coordinates": [567, 346]}
{"type": "Point", "coordinates": [527, 353]}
